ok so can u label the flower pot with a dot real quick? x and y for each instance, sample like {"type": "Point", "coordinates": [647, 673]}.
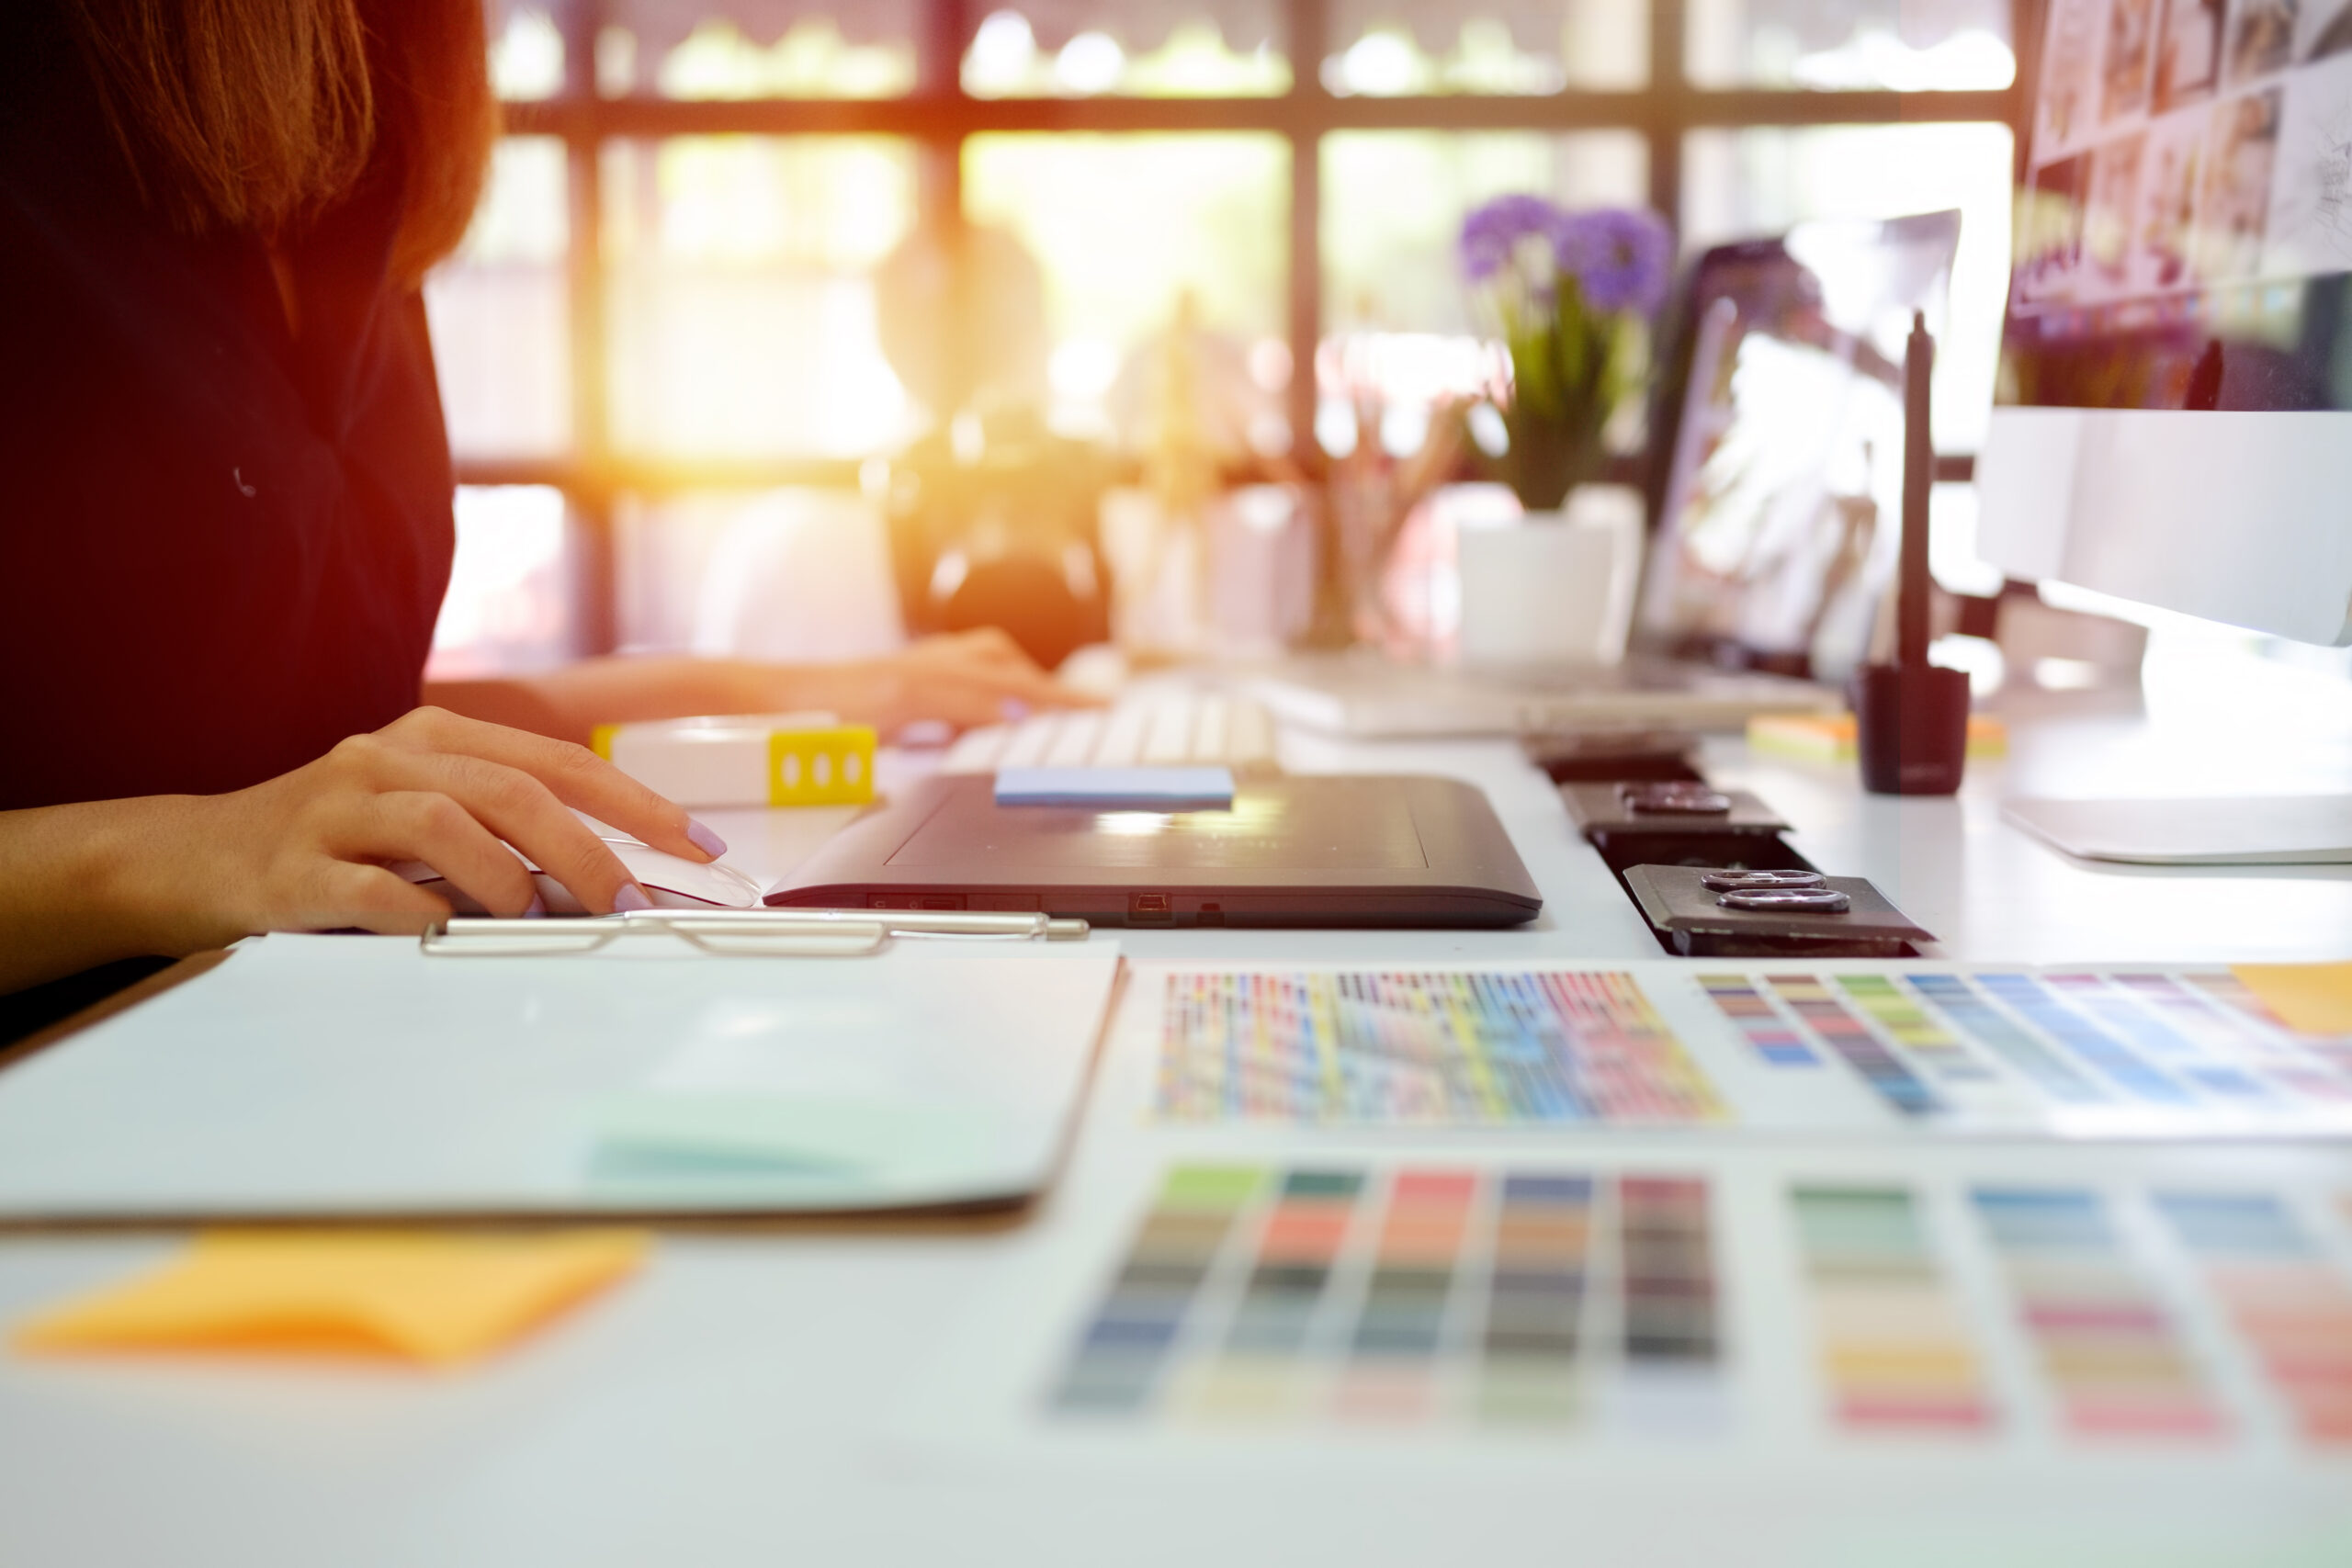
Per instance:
{"type": "Point", "coordinates": [1552, 588]}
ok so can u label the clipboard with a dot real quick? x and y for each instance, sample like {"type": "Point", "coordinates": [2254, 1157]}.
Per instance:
{"type": "Point", "coordinates": [351, 1079]}
{"type": "Point", "coordinates": [746, 933]}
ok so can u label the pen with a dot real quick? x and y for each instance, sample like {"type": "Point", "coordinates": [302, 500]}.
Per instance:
{"type": "Point", "coordinates": [733, 932]}
{"type": "Point", "coordinates": [899, 922]}
{"type": "Point", "coordinates": [777, 933]}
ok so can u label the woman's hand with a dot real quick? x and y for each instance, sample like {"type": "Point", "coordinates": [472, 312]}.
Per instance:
{"type": "Point", "coordinates": [965, 679]}
{"type": "Point", "coordinates": [310, 850]}
{"type": "Point", "coordinates": [980, 677]}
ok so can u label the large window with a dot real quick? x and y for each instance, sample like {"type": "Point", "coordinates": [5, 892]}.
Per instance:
{"type": "Point", "coordinates": [708, 281]}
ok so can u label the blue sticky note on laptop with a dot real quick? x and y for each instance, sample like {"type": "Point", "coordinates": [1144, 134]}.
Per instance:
{"type": "Point", "coordinates": [1141, 789]}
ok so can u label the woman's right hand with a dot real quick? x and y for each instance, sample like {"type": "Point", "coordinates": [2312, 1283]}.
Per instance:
{"type": "Point", "coordinates": [309, 851]}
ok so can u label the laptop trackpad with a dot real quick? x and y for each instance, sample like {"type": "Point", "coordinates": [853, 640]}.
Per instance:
{"type": "Point", "coordinates": [1370, 830]}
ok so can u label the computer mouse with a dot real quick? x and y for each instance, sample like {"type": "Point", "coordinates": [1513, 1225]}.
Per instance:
{"type": "Point", "coordinates": [672, 882]}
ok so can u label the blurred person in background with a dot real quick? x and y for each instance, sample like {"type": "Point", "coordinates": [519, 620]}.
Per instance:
{"type": "Point", "coordinates": [226, 526]}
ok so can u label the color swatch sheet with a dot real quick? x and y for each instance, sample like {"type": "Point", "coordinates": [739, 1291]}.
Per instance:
{"type": "Point", "coordinates": [2006, 1311]}
{"type": "Point", "coordinates": [1465, 1045]}
{"type": "Point", "coordinates": [1409, 1296]}
{"type": "Point", "coordinates": [1858, 1047]}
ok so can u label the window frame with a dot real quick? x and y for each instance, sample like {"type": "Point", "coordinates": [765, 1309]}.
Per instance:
{"type": "Point", "coordinates": [938, 117]}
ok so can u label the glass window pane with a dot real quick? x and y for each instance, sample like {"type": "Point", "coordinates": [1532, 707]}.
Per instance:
{"type": "Point", "coordinates": [498, 309]}
{"type": "Point", "coordinates": [1392, 206]}
{"type": "Point", "coordinates": [1126, 233]}
{"type": "Point", "coordinates": [661, 550]}
{"type": "Point", "coordinates": [1908, 45]}
{"type": "Point", "coordinates": [1391, 49]}
{"type": "Point", "coordinates": [1394, 201]}
{"type": "Point", "coordinates": [795, 49]}
{"type": "Point", "coordinates": [742, 295]}
{"type": "Point", "coordinates": [1228, 49]}
{"type": "Point", "coordinates": [1742, 183]}
{"type": "Point", "coordinates": [509, 605]}
{"type": "Point", "coordinates": [525, 54]}
{"type": "Point", "coordinates": [792, 574]}
{"type": "Point", "coordinates": [811, 61]}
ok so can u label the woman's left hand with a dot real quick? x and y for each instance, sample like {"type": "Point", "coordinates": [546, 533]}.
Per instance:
{"type": "Point", "coordinates": [970, 678]}
{"type": "Point", "coordinates": [965, 679]}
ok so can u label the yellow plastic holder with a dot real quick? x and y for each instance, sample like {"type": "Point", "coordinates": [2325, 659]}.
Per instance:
{"type": "Point", "coordinates": [758, 760]}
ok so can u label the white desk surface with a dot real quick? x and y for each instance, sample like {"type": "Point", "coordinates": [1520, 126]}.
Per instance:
{"type": "Point", "coordinates": [731, 1405]}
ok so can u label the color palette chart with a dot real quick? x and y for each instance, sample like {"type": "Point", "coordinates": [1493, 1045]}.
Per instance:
{"type": "Point", "coordinates": [2106, 1347]}
{"type": "Point", "coordinates": [1953, 1314]}
{"type": "Point", "coordinates": [1849, 1039]}
{"type": "Point", "coordinates": [1772, 1037]}
{"type": "Point", "coordinates": [2292, 1309]}
{"type": "Point", "coordinates": [1902, 1018]}
{"type": "Point", "coordinates": [2100, 1321]}
{"type": "Point", "coordinates": [1895, 1348]}
{"type": "Point", "coordinates": [2133, 1052]}
{"type": "Point", "coordinates": [2005, 1039]}
{"type": "Point", "coordinates": [1554, 1046]}
{"type": "Point", "coordinates": [1414, 1298]}
{"type": "Point", "coordinates": [1535, 1306]}
{"type": "Point", "coordinates": [2251, 1025]}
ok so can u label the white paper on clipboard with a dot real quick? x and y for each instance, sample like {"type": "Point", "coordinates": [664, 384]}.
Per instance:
{"type": "Point", "coordinates": [353, 1076]}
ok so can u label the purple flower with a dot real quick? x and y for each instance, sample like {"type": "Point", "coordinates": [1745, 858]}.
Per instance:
{"type": "Point", "coordinates": [1492, 233]}
{"type": "Point", "coordinates": [1620, 256]}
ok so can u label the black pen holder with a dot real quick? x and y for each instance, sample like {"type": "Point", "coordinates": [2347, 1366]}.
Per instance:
{"type": "Point", "coordinates": [1911, 727]}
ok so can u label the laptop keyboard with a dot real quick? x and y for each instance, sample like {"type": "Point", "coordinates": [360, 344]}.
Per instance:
{"type": "Point", "coordinates": [1163, 729]}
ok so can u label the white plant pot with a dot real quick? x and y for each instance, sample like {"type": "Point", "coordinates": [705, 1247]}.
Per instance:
{"type": "Point", "coordinates": [1552, 588]}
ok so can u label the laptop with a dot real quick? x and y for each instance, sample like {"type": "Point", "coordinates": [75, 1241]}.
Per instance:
{"type": "Point", "coordinates": [1779, 514]}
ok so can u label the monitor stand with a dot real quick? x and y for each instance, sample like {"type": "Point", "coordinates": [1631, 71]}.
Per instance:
{"type": "Point", "coordinates": [2292, 829]}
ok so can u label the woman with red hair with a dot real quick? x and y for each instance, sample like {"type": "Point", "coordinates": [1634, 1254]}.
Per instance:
{"type": "Point", "coordinates": [225, 495]}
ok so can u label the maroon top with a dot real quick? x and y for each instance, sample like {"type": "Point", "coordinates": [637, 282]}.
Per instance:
{"type": "Point", "coordinates": [222, 547]}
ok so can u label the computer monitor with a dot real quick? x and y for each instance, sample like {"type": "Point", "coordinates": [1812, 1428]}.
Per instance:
{"type": "Point", "coordinates": [1780, 515]}
{"type": "Point", "coordinates": [2175, 424]}
{"type": "Point", "coordinates": [2174, 418]}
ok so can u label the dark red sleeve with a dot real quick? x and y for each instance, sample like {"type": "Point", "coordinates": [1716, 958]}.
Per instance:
{"type": "Point", "coordinates": [222, 550]}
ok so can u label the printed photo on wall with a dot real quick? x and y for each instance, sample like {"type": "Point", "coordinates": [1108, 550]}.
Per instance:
{"type": "Point", "coordinates": [2162, 254]}
{"type": "Point", "coordinates": [2310, 213]}
{"type": "Point", "coordinates": [2068, 69]}
{"type": "Point", "coordinates": [2050, 231]}
{"type": "Point", "coordinates": [2131, 47]}
{"type": "Point", "coordinates": [2189, 60]}
{"type": "Point", "coordinates": [2327, 30]}
{"type": "Point", "coordinates": [2108, 224]}
{"type": "Point", "coordinates": [2234, 212]}
{"type": "Point", "coordinates": [2262, 39]}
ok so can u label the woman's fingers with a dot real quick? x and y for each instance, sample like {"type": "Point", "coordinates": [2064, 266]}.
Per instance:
{"type": "Point", "coordinates": [419, 825]}
{"type": "Point", "coordinates": [1015, 678]}
{"type": "Point", "coordinates": [525, 812]}
{"type": "Point", "coordinates": [989, 654]}
{"type": "Point", "coordinates": [573, 775]}
{"type": "Point", "coordinates": [980, 646]}
{"type": "Point", "coordinates": [373, 899]}
{"type": "Point", "coordinates": [966, 705]}
{"type": "Point", "coordinates": [1010, 692]}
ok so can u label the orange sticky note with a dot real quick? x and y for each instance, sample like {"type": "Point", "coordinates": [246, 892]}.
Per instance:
{"type": "Point", "coordinates": [1833, 737]}
{"type": "Point", "coordinates": [2310, 998]}
{"type": "Point", "coordinates": [436, 1300]}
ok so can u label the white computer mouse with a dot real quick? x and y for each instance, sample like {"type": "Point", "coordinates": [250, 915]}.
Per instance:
{"type": "Point", "coordinates": [671, 881]}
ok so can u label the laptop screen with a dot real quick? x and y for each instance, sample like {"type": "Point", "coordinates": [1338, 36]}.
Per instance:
{"type": "Point", "coordinates": [1780, 525]}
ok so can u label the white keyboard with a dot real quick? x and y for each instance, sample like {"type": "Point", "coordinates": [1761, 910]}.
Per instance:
{"type": "Point", "coordinates": [1162, 729]}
